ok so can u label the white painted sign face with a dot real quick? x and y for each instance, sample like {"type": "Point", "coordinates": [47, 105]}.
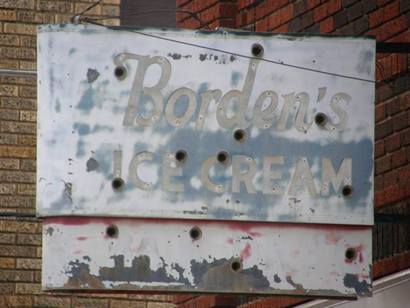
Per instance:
{"type": "Point", "coordinates": [210, 126]}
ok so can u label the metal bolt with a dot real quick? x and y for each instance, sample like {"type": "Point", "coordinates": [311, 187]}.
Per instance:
{"type": "Point", "coordinates": [239, 135]}
{"type": "Point", "coordinates": [112, 231]}
{"type": "Point", "coordinates": [257, 50]}
{"type": "Point", "coordinates": [195, 233]}
{"type": "Point", "coordinates": [223, 157]}
{"type": "Point", "coordinates": [321, 119]}
{"type": "Point", "coordinates": [117, 184]}
{"type": "Point", "coordinates": [181, 156]}
{"type": "Point", "coordinates": [120, 72]}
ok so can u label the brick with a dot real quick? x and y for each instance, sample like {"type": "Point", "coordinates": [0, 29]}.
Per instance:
{"type": "Point", "coordinates": [380, 112]}
{"type": "Point", "coordinates": [160, 305]}
{"type": "Point", "coordinates": [327, 25]}
{"type": "Point", "coordinates": [321, 12]}
{"type": "Point", "coordinates": [17, 4]}
{"type": "Point", "coordinates": [286, 13]}
{"type": "Point", "coordinates": [26, 189]}
{"type": "Point", "coordinates": [8, 90]}
{"type": "Point", "coordinates": [398, 158]}
{"type": "Point", "coordinates": [8, 139]}
{"type": "Point", "coordinates": [390, 178]}
{"type": "Point", "coordinates": [9, 40]}
{"type": "Point", "coordinates": [17, 127]}
{"type": "Point", "coordinates": [355, 11]}
{"type": "Point", "coordinates": [340, 19]}
{"type": "Point", "coordinates": [34, 17]}
{"type": "Point", "coordinates": [55, 6]}
{"type": "Point", "coordinates": [18, 301]}
{"type": "Point", "coordinates": [28, 264]}
{"type": "Point", "coordinates": [9, 64]}
{"type": "Point", "coordinates": [400, 121]}
{"type": "Point", "coordinates": [28, 91]}
{"type": "Point", "coordinates": [90, 302]}
{"type": "Point", "coordinates": [6, 288]}
{"type": "Point", "coordinates": [9, 163]}
{"type": "Point", "coordinates": [110, 10]}
{"type": "Point", "coordinates": [313, 3]}
{"type": "Point", "coordinates": [299, 7]}
{"type": "Point", "coordinates": [383, 164]}
{"type": "Point", "coordinates": [28, 140]}
{"type": "Point", "coordinates": [52, 301]}
{"type": "Point", "coordinates": [28, 41]}
{"type": "Point", "coordinates": [404, 6]}
{"type": "Point", "coordinates": [361, 25]}
{"type": "Point", "coordinates": [347, 3]}
{"type": "Point", "coordinates": [7, 189]}
{"type": "Point", "coordinates": [16, 275]}
{"type": "Point", "coordinates": [7, 238]}
{"type": "Point", "coordinates": [383, 129]}
{"type": "Point", "coordinates": [405, 136]}
{"type": "Point", "coordinates": [18, 102]}
{"type": "Point", "coordinates": [17, 201]}
{"type": "Point", "coordinates": [393, 106]}
{"type": "Point", "coordinates": [392, 143]}
{"type": "Point", "coordinates": [378, 183]}
{"type": "Point", "coordinates": [17, 151]}
{"type": "Point", "coordinates": [9, 114]}
{"type": "Point", "coordinates": [117, 303]}
{"type": "Point", "coordinates": [306, 20]}
{"type": "Point", "coordinates": [28, 164]}
{"type": "Point", "coordinates": [28, 288]}
{"type": "Point", "coordinates": [20, 28]}
{"type": "Point", "coordinates": [334, 6]}
{"type": "Point", "coordinates": [369, 6]}
{"type": "Point", "coordinates": [29, 239]}
{"type": "Point", "coordinates": [21, 227]}
{"type": "Point", "coordinates": [17, 251]}
{"type": "Point", "coordinates": [27, 115]}
{"type": "Point", "coordinates": [379, 148]}
{"type": "Point", "coordinates": [27, 65]}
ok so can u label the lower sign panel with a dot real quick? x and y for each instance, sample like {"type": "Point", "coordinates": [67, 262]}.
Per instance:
{"type": "Point", "coordinates": [117, 254]}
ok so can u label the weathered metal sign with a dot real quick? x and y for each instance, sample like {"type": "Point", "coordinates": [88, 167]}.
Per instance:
{"type": "Point", "coordinates": [160, 124]}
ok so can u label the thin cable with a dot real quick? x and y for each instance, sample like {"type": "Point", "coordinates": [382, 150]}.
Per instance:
{"type": "Point", "coordinates": [247, 57]}
{"type": "Point", "coordinates": [75, 18]}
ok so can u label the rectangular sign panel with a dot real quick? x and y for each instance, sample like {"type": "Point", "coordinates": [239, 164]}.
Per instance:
{"type": "Point", "coordinates": [202, 256]}
{"type": "Point", "coordinates": [181, 124]}
{"type": "Point", "coordinates": [205, 161]}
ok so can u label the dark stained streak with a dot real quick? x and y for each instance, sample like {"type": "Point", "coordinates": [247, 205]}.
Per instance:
{"type": "Point", "coordinates": [297, 286]}
{"type": "Point", "coordinates": [362, 288]}
{"type": "Point", "coordinates": [140, 270]}
{"type": "Point", "coordinates": [92, 75]}
{"type": "Point", "coordinates": [92, 164]}
{"type": "Point", "coordinates": [218, 275]}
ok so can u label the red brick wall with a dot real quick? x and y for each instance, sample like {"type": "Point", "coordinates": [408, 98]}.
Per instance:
{"type": "Point", "coordinates": [387, 20]}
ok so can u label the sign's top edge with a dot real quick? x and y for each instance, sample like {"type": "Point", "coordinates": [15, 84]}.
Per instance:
{"type": "Point", "coordinates": [89, 28]}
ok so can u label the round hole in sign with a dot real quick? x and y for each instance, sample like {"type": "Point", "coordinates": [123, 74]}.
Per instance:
{"type": "Point", "coordinates": [236, 265]}
{"type": "Point", "coordinates": [195, 233]}
{"type": "Point", "coordinates": [257, 50]}
{"type": "Point", "coordinates": [223, 157]}
{"type": "Point", "coordinates": [181, 156]}
{"type": "Point", "coordinates": [239, 135]}
{"type": "Point", "coordinates": [112, 231]}
{"type": "Point", "coordinates": [117, 184]}
{"type": "Point", "coordinates": [350, 254]}
{"type": "Point", "coordinates": [321, 119]}
{"type": "Point", "coordinates": [120, 72]}
{"type": "Point", "coordinates": [347, 190]}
